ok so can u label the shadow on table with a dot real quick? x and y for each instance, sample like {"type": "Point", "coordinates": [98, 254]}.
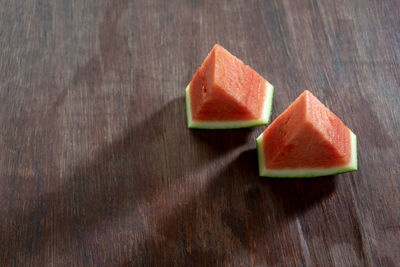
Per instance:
{"type": "Point", "coordinates": [299, 194]}
{"type": "Point", "coordinates": [133, 169]}
{"type": "Point", "coordinates": [222, 140]}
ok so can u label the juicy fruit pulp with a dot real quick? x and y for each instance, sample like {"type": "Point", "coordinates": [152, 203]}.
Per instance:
{"type": "Point", "coordinates": [307, 139]}
{"type": "Point", "coordinates": [226, 93]}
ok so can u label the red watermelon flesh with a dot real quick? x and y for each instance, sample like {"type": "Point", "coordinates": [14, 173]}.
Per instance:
{"type": "Point", "coordinates": [225, 89]}
{"type": "Point", "coordinates": [306, 135]}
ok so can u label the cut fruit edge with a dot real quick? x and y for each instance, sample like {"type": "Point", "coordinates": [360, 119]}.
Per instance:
{"type": "Point", "coordinates": [265, 117]}
{"type": "Point", "coordinates": [307, 172]}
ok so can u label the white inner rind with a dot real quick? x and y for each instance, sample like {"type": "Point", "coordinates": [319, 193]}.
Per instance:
{"type": "Point", "coordinates": [264, 119]}
{"type": "Point", "coordinates": [310, 172]}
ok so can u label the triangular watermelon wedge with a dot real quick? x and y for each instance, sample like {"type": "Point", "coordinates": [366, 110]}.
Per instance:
{"type": "Point", "coordinates": [225, 93]}
{"type": "Point", "coordinates": [306, 140]}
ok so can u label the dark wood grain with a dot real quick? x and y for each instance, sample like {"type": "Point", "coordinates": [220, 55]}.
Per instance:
{"type": "Point", "coordinates": [98, 168]}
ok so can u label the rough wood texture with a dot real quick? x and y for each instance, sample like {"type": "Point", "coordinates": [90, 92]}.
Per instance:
{"type": "Point", "coordinates": [97, 166]}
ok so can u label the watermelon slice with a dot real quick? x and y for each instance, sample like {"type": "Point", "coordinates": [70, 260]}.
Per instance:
{"type": "Point", "coordinates": [306, 140]}
{"type": "Point", "coordinates": [225, 93]}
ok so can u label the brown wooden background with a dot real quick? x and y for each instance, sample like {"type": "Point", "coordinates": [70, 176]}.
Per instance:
{"type": "Point", "coordinates": [97, 166]}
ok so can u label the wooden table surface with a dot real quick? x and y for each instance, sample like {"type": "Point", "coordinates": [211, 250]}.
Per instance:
{"type": "Point", "coordinates": [98, 167]}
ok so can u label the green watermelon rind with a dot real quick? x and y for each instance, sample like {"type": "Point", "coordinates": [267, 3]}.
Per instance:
{"type": "Point", "coordinates": [265, 118]}
{"type": "Point", "coordinates": [309, 172]}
